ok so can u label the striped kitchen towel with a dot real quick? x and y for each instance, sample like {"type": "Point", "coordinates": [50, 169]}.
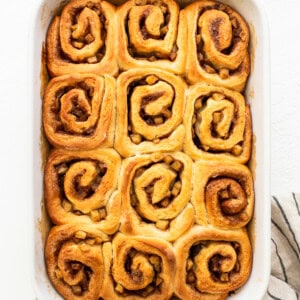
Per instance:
{"type": "Point", "coordinates": [285, 249]}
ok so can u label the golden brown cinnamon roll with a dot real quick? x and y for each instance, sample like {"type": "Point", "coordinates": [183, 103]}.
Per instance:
{"type": "Point", "coordinates": [150, 35]}
{"type": "Point", "coordinates": [223, 194]}
{"type": "Point", "coordinates": [218, 124]}
{"type": "Point", "coordinates": [82, 39]}
{"type": "Point", "coordinates": [78, 110]}
{"type": "Point", "coordinates": [142, 268]}
{"type": "Point", "coordinates": [218, 39]}
{"type": "Point", "coordinates": [74, 261]}
{"type": "Point", "coordinates": [150, 105]}
{"type": "Point", "coordinates": [155, 195]}
{"type": "Point", "coordinates": [79, 188]}
{"type": "Point", "coordinates": [211, 262]}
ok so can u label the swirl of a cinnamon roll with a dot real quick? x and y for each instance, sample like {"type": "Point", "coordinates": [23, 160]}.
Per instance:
{"type": "Point", "coordinates": [217, 45]}
{"type": "Point", "coordinates": [150, 35]}
{"type": "Point", "coordinates": [142, 268]}
{"type": "Point", "coordinates": [155, 195]}
{"type": "Point", "coordinates": [211, 262]}
{"type": "Point", "coordinates": [149, 112]}
{"type": "Point", "coordinates": [74, 261]}
{"type": "Point", "coordinates": [223, 194]}
{"type": "Point", "coordinates": [78, 110]}
{"type": "Point", "coordinates": [79, 188]}
{"type": "Point", "coordinates": [218, 124]}
{"type": "Point", "coordinates": [82, 39]}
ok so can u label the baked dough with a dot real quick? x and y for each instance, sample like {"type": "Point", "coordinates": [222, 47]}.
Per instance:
{"type": "Point", "coordinates": [223, 194]}
{"type": "Point", "coordinates": [146, 183]}
{"type": "Point", "coordinates": [150, 104]}
{"type": "Point", "coordinates": [82, 39]}
{"type": "Point", "coordinates": [150, 35]}
{"type": "Point", "coordinates": [218, 39]}
{"type": "Point", "coordinates": [218, 124]}
{"type": "Point", "coordinates": [156, 190]}
{"type": "Point", "coordinates": [79, 188]}
{"type": "Point", "coordinates": [78, 110]}
{"type": "Point", "coordinates": [211, 262]}
{"type": "Point", "coordinates": [141, 268]}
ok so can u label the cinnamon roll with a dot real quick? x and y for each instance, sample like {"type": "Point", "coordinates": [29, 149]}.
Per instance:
{"type": "Point", "coordinates": [155, 195]}
{"type": "Point", "coordinates": [78, 111]}
{"type": "Point", "coordinates": [74, 261]}
{"type": "Point", "coordinates": [80, 185]}
{"type": "Point", "coordinates": [223, 194]}
{"type": "Point", "coordinates": [82, 39]}
{"type": "Point", "coordinates": [141, 268]}
{"type": "Point", "coordinates": [218, 124]}
{"type": "Point", "coordinates": [218, 39]}
{"type": "Point", "coordinates": [211, 262]}
{"type": "Point", "coordinates": [150, 105]}
{"type": "Point", "coordinates": [150, 35]}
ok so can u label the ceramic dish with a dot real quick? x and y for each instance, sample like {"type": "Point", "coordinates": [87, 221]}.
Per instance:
{"type": "Point", "coordinates": [257, 94]}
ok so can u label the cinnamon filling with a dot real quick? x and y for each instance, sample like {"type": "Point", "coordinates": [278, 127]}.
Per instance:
{"type": "Point", "coordinates": [80, 113]}
{"type": "Point", "coordinates": [215, 266]}
{"type": "Point", "coordinates": [174, 297]}
{"type": "Point", "coordinates": [85, 192]}
{"type": "Point", "coordinates": [75, 267]}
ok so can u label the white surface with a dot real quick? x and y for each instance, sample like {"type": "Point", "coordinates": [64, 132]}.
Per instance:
{"type": "Point", "coordinates": [283, 18]}
{"type": "Point", "coordinates": [14, 153]}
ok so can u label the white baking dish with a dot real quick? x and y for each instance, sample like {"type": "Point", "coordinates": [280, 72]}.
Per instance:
{"type": "Point", "coordinates": [257, 93]}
